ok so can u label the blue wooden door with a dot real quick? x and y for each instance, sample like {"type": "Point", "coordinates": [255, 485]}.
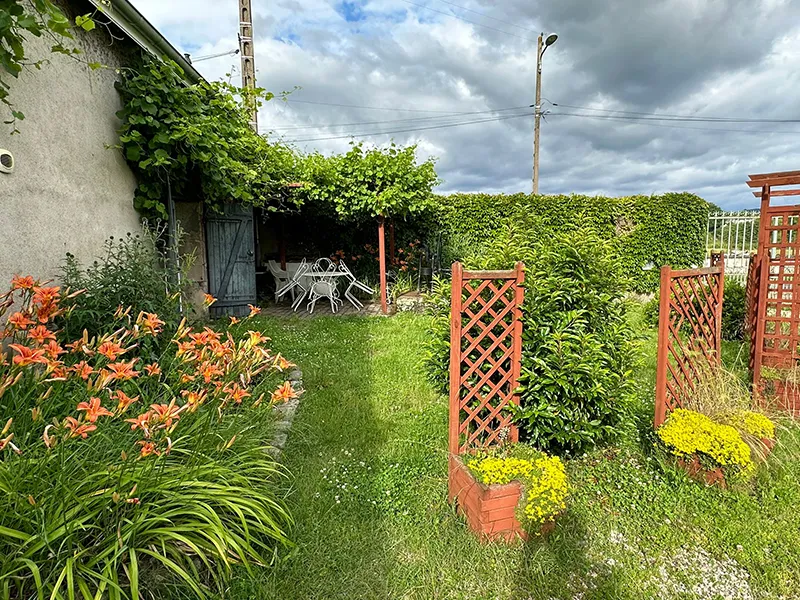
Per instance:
{"type": "Point", "coordinates": [230, 247]}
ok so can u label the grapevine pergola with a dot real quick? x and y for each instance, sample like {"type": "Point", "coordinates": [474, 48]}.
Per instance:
{"type": "Point", "coordinates": [381, 183]}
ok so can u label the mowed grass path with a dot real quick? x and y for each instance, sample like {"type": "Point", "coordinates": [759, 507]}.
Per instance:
{"type": "Point", "coordinates": [368, 485]}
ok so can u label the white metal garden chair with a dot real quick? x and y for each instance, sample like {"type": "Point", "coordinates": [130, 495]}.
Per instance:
{"type": "Point", "coordinates": [295, 283]}
{"type": "Point", "coordinates": [282, 278]}
{"type": "Point", "coordinates": [324, 264]}
{"type": "Point", "coordinates": [354, 284]}
{"type": "Point", "coordinates": [322, 286]}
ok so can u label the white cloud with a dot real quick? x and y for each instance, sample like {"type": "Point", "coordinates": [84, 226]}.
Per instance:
{"type": "Point", "coordinates": [728, 58]}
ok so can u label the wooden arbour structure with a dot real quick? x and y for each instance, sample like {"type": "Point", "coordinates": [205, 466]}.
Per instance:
{"type": "Point", "coordinates": [689, 332]}
{"type": "Point", "coordinates": [773, 309]}
{"type": "Point", "coordinates": [485, 355]}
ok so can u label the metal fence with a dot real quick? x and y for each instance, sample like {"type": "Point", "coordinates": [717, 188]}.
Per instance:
{"type": "Point", "coordinates": [734, 233]}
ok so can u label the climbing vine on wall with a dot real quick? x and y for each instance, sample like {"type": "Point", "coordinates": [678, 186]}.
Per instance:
{"type": "Point", "coordinates": [19, 19]}
{"type": "Point", "coordinates": [197, 140]}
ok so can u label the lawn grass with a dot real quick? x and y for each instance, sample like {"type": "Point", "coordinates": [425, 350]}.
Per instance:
{"type": "Point", "coordinates": [367, 457]}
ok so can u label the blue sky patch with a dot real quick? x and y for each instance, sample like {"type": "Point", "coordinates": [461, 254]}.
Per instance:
{"type": "Point", "coordinates": [353, 12]}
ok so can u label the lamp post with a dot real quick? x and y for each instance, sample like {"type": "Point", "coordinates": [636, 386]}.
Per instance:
{"type": "Point", "coordinates": [541, 47]}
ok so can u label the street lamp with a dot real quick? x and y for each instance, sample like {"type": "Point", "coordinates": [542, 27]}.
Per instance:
{"type": "Point", "coordinates": [541, 47]}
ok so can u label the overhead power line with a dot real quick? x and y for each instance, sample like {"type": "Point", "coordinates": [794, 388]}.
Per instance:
{"type": "Point", "coordinates": [395, 109]}
{"type": "Point", "coordinates": [376, 133]}
{"type": "Point", "coordinates": [454, 16]}
{"type": "Point", "coordinates": [485, 16]}
{"type": "Point", "coordinates": [412, 119]}
{"type": "Point", "coordinates": [673, 117]}
{"type": "Point", "coordinates": [649, 123]}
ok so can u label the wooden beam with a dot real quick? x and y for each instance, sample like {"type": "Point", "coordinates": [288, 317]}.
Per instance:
{"type": "Point", "coordinates": [490, 274]}
{"type": "Point", "coordinates": [779, 193]}
{"type": "Point", "coordinates": [382, 261]}
{"type": "Point", "coordinates": [772, 175]}
{"type": "Point", "coordinates": [788, 180]}
{"type": "Point", "coordinates": [391, 243]}
{"type": "Point", "coordinates": [455, 359]}
{"type": "Point", "coordinates": [282, 244]}
{"type": "Point", "coordinates": [663, 347]}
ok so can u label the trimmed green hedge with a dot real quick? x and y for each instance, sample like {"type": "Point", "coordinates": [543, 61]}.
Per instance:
{"type": "Point", "coordinates": [665, 229]}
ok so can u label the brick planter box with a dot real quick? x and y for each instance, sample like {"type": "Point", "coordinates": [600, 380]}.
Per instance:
{"type": "Point", "coordinates": [699, 473]}
{"type": "Point", "coordinates": [489, 509]}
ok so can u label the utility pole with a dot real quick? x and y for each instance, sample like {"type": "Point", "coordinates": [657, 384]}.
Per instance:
{"type": "Point", "coordinates": [248, 56]}
{"type": "Point", "coordinates": [537, 115]}
{"type": "Point", "coordinates": [541, 46]}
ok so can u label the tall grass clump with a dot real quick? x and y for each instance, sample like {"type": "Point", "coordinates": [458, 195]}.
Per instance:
{"type": "Point", "coordinates": [129, 462]}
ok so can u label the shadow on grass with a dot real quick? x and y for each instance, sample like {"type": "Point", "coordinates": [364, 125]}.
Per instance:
{"type": "Point", "coordinates": [340, 549]}
{"type": "Point", "coordinates": [557, 566]}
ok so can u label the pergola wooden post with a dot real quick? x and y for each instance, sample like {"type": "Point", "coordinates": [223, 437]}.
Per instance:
{"type": "Point", "coordinates": [382, 261]}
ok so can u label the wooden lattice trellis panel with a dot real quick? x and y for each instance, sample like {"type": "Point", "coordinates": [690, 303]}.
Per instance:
{"type": "Point", "coordinates": [689, 332]}
{"type": "Point", "coordinates": [774, 304]}
{"type": "Point", "coordinates": [485, 352]}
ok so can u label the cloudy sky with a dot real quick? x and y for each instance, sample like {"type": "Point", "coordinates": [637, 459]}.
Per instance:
{"type": "Point", "coordinates": [618, 69]}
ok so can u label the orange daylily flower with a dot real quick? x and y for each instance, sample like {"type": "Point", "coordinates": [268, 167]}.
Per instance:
{"type": "Point", "coordinates": [28, 356]}
{"type": "Point", "coordinates": [45, 312]}
{"type": "Point", "coordinates": [209, 371]}
{"type": "Point", "coordinates": [187, 349]}
{"type": "Point", "coordinates": [77, 428]}
{"type": "Point", "coordinates": [256, 337]}
{"type": "Point", "coordinates": [19, 282]}
{"type": "Point", "coordinates": [75, 346]}
{"type": "Point", "coordinates": [20, 320]}
{"type": "Point", "coordinates": [186, 378]}
{"type": "Point", "coordinates": [208, 300]}
{"type": "Point", "coordinates": [282, 364]}
{"type": "Point", "coordinates": [57, 370]}
{"type": "Point", "coordinates": [284, 392]}
{"type": "Point", "coordinates": [194, 399]}
{"type": "Point", "coordinates": [153, 369]}
{"type": "Point", "coordinates": [148, 448]}
{"type": "Point", "coordinates": [122, 371]}
{"type": "Point", "coordinates": [207, 336]}
{"type": "Point", "coordinates": [82, 369]}
{"type": "Point", "coordinates": [40, 333]}
{"type": "Point", "coordinates": [94, 409]}
{"type": "Point", "coordinates": [236, 392]}
{"type": "Point", "coordinates": [254, 310]}
{"type": "Point", "coordinates": [234, 320]}
{"type": "Point", "coordinates": [166, 413]}
{"type": "Point", "coordinates": [142, 422]}
{"type": "Point", "coordinates": [53, 350]}
{"type": "Point", "coordinates": [46, 295]}
{"type": "Point", "coordinates": [124, 401]}
{"type": "Point", "coordinates": [151, 323]}
{"type": "Point", "coordinates": [111, 350]}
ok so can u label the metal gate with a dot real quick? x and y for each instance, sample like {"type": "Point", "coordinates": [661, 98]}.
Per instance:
{"type": "Point", "coordinates": [734, 234]}
{"type": "Point", "coordinates": [231, 260]}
